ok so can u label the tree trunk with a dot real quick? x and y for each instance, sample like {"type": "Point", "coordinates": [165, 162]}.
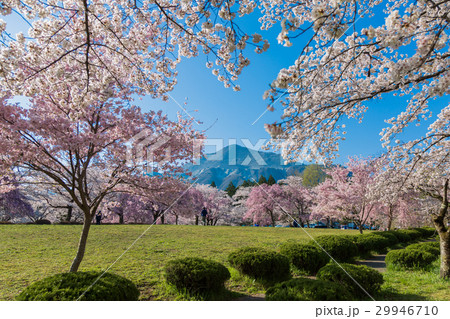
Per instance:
{"type": "Point", "coordinates": [176, 219]}
{"type": "Point", "coordinates": [444, 234]}
{"type": "Point", "coordinates": [120, 218]}
{"type": "Point", "coordinates": [162, 219]}
{"type": "Point", "coordinates": [390, 217]}
{"type": "Point", "coordinates": [196, 220]}
{"type": "Point", "coordinates": [82, 244]}
{"type": "Point", "coordinates": [272, 218]}
{"type": "Point", "coordinates": [445, 255]}
{"type": "Point", "coordinates": [360, 226]}
{"type": "Point", "coordinates": [69, 213]}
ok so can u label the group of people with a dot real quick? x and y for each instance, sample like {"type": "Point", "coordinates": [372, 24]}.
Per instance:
{"type": "Point", "coordinates": [204, 214]}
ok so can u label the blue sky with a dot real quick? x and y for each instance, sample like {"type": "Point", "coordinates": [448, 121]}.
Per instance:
{"type": "Point", "coordinates": [226, 114]}
{"type": "Point", "coordinates": [229, 115]}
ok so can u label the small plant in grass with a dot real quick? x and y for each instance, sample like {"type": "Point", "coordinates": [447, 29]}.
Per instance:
{"type": "Point", "coordinates": [261, 264]}
{"type": "Point", "coordinates": [339, 247]}
{"type": "Point", "coordinates": [71, 286]}
{"type": "Point", "coordinates": [196, 275]}
{"type": "Point", "coordinates": [305, 257]}
{"type": "Point", "coordinates": [305, 289]}
{"type": "Point", "coordinates": [409, 259]}
{"type": "Point", "coordinates": [431, 247]}
{"type": "Point", "coordinates": [369, 279]}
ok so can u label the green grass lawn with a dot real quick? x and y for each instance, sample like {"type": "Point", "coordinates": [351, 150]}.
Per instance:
{"type": "Point", "coordinates": [31, 252]}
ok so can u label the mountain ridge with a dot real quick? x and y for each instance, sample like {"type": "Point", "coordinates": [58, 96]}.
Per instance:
{"type": "Point", "coordinates": [235, 163]}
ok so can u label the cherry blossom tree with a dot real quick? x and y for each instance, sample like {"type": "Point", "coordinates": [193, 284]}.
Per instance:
{"type": "Point", "coordinates": [238, 206]}
{"type": "Point", "coordinates": [299, 197]}
{"type": "Point", "coordinates": [265, 204]}
{"type": "Point", "coordinates": [216, 201]}
{"type": "Point", "coordinates": [85, 151]}
{"type": "Point", "coordinates": [346, 193]}
{"type": "Point", "coordinates": [189, 203]}
{"type": "Point", "coordinates": [399, 208]}
{"type": "Point", "coordinates": [343, 66]}
{"type": "Point", "coordinates": [14, 205]}
{"type": "Point", "coordinates": [131, 44]}
{"type": "Point", "coordinates": [422, 165]}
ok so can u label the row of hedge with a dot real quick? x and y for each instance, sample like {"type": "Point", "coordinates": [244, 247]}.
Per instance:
{"type": "Point", "coordinates": [344, 282]}
{"type": "Point", "coordinates": [200, 276]}
{"type": "Point", "coordinates": [415, 256]}
{"type": "Point", "coordinates": [334, 282]}
{"type": "Point", "coordinates": [345, 248]}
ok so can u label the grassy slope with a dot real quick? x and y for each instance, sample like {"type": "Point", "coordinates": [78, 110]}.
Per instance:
{"type": "Point", "coordinates": [32, 252]}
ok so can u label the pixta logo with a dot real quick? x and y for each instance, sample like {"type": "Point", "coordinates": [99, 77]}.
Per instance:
{"type": "Point", "coordinates": [149, 151]}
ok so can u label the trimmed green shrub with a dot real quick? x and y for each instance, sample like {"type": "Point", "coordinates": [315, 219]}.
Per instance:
{"type": "Point", "coordinates": [402, 236]}
{"type": "Point", "coordinates": [71, 286]}
{"type": "Point", "coordinates": [389, 235]}
{"type": "Point", "coordinates": [305, 257]}
{"type": "Point", "coordinates": [339, 247]}
{"type": "Point", "coordinates": [369, 279]}
{"type": "Point", "coordinates": [371, 242]}
{"type": "Point", "coordinates": [426, 232]}
{"type": "Point", "coordinates": [196, 275]}
{"type": "Point", "coordinates": [431, 247]}
{"type": "Point", "coordinates": [260, 263]}
{"type": "Point", "coordinates": [305, 289]}
{"type": "Point", "coordinates": [409, 259]}
{"type": "Point", "coordinates": [414, 234]}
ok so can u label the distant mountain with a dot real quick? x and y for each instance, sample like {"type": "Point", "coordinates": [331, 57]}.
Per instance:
{"type": "Point", "coordinates": [235, 164]}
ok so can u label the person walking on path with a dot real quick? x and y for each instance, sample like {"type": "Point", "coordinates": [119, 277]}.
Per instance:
{"type": "Point", "coordinates": [204, 213]}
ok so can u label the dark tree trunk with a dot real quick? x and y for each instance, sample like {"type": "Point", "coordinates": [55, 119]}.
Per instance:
{"type": "Point", "coordinates": [361, 229]}
{"type": "Point", "coordinates": [162, 219]}
{"type": "Point", "coordinates": [69, 213]}
{"type": "Point", "coordinates": [196, 220]}
{"type": "Point", "coordinates": [360, 226]}
{"type": "Point", "coordinates": [82, 243]}
{"type": "Point", "coordinates": [272, 218]}
{"type": "Point", "coordinates": [121, 218]}
{"type": "Point", "coordinates": [176, 219]}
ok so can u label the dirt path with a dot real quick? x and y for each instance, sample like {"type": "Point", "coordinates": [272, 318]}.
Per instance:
{"type": "Point", "coordinates": [377, 262]}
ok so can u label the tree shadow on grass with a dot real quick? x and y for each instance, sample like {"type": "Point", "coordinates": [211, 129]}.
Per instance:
{"type": "Point", "coordinates": [391, 294]}
{"type": "Point", "coordinates": [217, 295]}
